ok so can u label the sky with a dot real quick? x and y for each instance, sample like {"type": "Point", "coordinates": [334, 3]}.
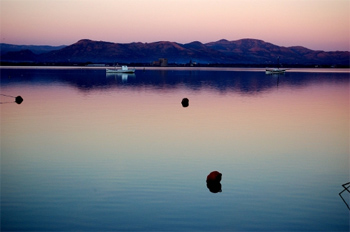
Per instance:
{"type": "Point", "coordinates": [315, 24]}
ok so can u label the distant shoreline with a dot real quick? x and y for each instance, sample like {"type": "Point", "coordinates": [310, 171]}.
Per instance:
{"type": "Point", "coordinates": [178, 68]}
{"type": "Point", "coordinates": [171, 65]}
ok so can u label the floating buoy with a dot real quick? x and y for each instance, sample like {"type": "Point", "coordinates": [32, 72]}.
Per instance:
{"type": "Point", "coordinates": [185, 102]}
{"type": "Point", "coordinates": [18, 99]}
{"type": "Point", "coordinates": [213, 182]}
{"type": "Point", "coordinates": [214, 176]}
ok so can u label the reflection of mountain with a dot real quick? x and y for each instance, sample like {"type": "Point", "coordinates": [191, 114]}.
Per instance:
{"type": "Point", "coordinates": [244, 51]}
{"type": "Point", "coordinates": [223, 81]}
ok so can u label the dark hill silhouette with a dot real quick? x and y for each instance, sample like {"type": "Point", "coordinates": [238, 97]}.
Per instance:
{"type": "Point", "coordinates": [22, 55]}
{"type": "Point", "coordinates": [244, 51]}
{"type": "Point", "coordinates": [37, 49]}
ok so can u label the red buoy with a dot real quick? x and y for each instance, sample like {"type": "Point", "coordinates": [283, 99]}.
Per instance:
{"type": "Point", "coordinates": [214, 176]}
{"type": "Point", "coordinates": [213, 182]}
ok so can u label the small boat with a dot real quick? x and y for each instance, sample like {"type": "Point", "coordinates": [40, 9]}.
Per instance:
{"type": "Point", "coordinates": [124, 69]}
{"type": "Point", "coordinates": [275, 71]}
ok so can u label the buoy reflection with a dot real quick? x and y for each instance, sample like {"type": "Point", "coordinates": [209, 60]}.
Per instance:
{"type": "Point", "coordinates": [213, 182]}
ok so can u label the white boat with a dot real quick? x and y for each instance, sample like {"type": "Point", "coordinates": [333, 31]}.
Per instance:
{"type": "Point", "coordinates": [124, 69]}
{"type": "Point", "coordinates": [275, 71]}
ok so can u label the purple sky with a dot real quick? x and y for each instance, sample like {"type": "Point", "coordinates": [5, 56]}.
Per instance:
{"type": "Point", "coordinates": [315, 24]}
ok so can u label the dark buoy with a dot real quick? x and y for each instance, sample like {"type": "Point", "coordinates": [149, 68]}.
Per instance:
{"type": "Point", "coordinates": [213, 182]}
{"type": "Point", "coordinates": [214, 176]}
{"type": "Point", "coordinates": [18, 99]}
{"type": "Point", "coordinates": [185, 102]}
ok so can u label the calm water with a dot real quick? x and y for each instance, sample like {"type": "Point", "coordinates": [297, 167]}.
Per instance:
{"type": "Point", "coordinates": [86, 151]}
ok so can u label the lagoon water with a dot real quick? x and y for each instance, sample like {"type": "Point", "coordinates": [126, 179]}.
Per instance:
{"type": "Point", "coordinates": [86, 151]}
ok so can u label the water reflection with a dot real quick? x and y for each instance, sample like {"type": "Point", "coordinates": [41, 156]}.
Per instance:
{"type": "Point", "coordinates": [18, 99]}
{"type": "Point", "coordinates": [276, 76]}
{"type": "Point", "coordinates": [222, 81]}
{"type": "Point", "coordinates": [123, 76]}
{"type": "Point", "coordinates": [120, 157]}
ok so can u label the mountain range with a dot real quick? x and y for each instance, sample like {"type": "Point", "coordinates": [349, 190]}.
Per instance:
{"type": "Point", "coordinates": [244, 51]}
{"type": "Point", "coordinates": [37, 49]}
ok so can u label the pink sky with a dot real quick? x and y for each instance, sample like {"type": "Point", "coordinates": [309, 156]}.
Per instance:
{"type": "Point", "coordinates": [315, 24]}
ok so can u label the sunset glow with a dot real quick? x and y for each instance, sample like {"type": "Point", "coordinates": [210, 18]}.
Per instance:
{"type": "Point", "coordinates": [315, 24]}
